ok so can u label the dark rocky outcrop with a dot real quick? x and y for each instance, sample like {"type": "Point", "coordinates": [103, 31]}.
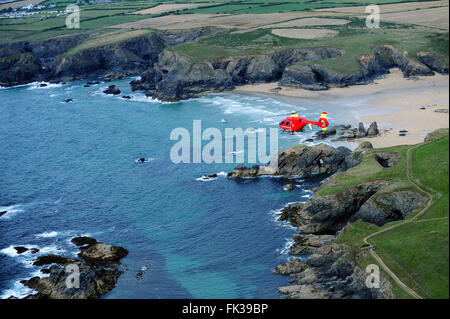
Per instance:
{"type": "Point", "coordinates": [325, 133]}
{"type": "Point", "coordinates": [302, 161]}
{"type": "Point", "coordinates": [329, 272]}
{"type": "Point", "coordinates": [373, 129]}
{"type": "Point", "coordinates": [101, 253]}
{"type": "Point", "coordinates": [20, 249]}
{"type": "Point", "coordinates": [98, 269]}
{"type": "Point", "coordinates": [172, 76]}
{"type": "Point", "coordinates": [52, 259]}
{"type": "Point", "coordinates": [327, 214]}
{"type": "Point", "coordinates": [432, 62]}
{"type": "Point", "coordinates": [176, 77]}
{"type": "Point", "coordinates": [28, 61]}
{"type": "Point", "coordinates": [314, 76]}
{"type": "Point", "coordinates": [94, 282]}
{"type": "Point", "coordinates": [292, 266]}
{"type": "Point", "coordinates": [386, 159]}
{"type": "Point", "coordinates": [349, 133]}
{"type": "Point", "coordinates": [83, 241]}
{"type": "Point", "coordinates": [330, 213]}
{"type": "Point", "coordinates": [112, 89]}
{"type": "Point", "coordinates": [387, 207]}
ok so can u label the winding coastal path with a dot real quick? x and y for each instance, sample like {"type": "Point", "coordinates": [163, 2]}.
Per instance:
{"type": "Point", "coordinates": [426, 191]}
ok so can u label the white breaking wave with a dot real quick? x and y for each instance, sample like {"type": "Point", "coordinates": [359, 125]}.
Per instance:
{"type": "Point", "coordinates": [282, 223]}
{"type": "Point", "coordinates": [287, 246]}
{"type": "Point", "coordinates": [206, 178]}
{"type": "Point", "coordinates": [18, 290]}
{"type": "Point", "coordinates": [36, 85]}
{"type": "Point", "coordinates": [10, 210]}
{"type": "Point", "coordinates": [48, 234]}
{"type": "Point", "coordinates": [146, 160]}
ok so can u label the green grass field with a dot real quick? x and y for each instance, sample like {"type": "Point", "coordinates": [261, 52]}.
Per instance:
{"type": "Point", "coordinates": [417, 252]}
{"type": "Point", "coordinates": [354, 38]}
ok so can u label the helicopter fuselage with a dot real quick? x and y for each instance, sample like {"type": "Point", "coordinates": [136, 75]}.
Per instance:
{"type": "Point", "coordinates": [297, 123]}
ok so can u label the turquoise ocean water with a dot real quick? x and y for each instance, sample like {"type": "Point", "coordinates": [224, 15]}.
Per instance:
{"type": "Point", "coordinates": [69, 169]}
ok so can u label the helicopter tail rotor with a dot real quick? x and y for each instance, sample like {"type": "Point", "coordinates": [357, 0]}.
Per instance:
{"type": "Point", "coordinates": [323, 122]}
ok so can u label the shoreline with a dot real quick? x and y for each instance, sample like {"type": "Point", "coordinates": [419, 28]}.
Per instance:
{"type": "Point", "coordinates": [394, 102]}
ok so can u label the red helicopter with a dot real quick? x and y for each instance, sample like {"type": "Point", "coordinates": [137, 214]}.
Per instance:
{"type": "Point", "coordinates": [295, 123]}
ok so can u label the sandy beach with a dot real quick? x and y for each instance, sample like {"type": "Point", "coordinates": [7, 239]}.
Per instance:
{"type": "Point", "coordinates": [395, 104]}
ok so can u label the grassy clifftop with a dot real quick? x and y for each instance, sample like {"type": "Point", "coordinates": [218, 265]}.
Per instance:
{"type": "Point", "coordinates": [417, 252]}
{"type": "Point", "coordinates": [104, 24]}
{"type": "Point", "coordinates": [353, 37]}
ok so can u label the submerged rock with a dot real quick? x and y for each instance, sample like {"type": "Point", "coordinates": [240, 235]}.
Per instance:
{"type": "Point", "coordinates": [289, 187]}
{"type": "Point", "coordinates": [90, 83]}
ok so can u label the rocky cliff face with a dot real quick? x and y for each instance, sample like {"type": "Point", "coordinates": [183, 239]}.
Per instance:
{"type": "Point", "coordinates": [330, 272]}
{"type": "Point", "coordinates": [112, 61]}
{"type": "Point", "coordinates": [29, 61]}
{"type": "Point", "coordinates": [172, 76]}
{"type": "Point", "coordinates": [176, 77]}
{"type": "Point", "coordinates": [302, 161]}
{"type": "Point", "coordinates": [383, 58]}
{"type": "Point", "coordinates": [329, 269]}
